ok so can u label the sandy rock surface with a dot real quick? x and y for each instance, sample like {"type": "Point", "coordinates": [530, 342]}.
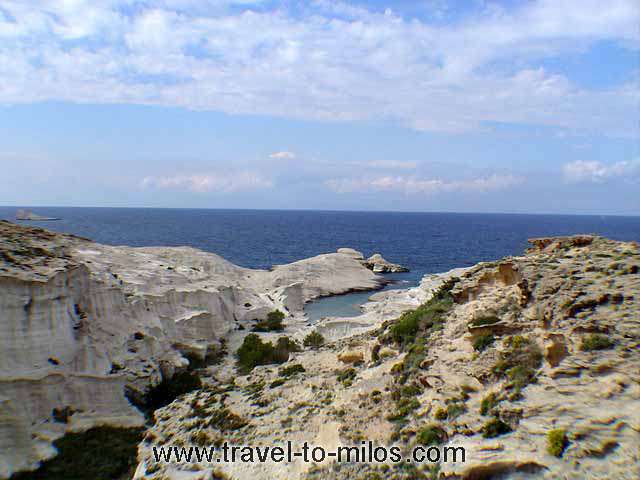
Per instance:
{"type": "Point", "coordinates": [502, 354]}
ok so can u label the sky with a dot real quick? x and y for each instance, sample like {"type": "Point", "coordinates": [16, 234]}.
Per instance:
{"type": "Point", "coordinates": [427, 105]}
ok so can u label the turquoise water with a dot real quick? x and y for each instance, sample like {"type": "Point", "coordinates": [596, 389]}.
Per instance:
{"type": "Point", "coordinates": [337, 306]}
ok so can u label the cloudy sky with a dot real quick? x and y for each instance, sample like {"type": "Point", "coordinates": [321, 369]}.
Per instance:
{"type": "Point", "coordinates": [428, 105]}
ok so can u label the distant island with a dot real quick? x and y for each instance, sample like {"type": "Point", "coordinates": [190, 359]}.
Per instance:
{"type": "Point", "coordinates": [29, 215]}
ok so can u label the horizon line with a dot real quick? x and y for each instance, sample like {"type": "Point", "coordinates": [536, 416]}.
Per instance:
{"type": "Point", "coordinates": [329, 210]}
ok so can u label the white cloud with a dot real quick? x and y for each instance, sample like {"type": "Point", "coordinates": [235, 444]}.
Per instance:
{"type": "Point", "coordinates": [596, 172]}
{"type": "Point", "coordinates": [283, 155]}
{"type": "Point", "coordinates": [210, 182]}
{"type": "Point", "coordinates": [388, 164]}
{"type": "Point", "coordinates": [328, 60]}
{"type": "Point", "coordinates": [413, 185]}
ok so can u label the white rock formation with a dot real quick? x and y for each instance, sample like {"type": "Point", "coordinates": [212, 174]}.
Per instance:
{"type": "Point", "coordinates": [378, 264]}
{"type": "Point", "coordinates": [375, 262]}
{"type": "Point", "coordinates": [79, 321]}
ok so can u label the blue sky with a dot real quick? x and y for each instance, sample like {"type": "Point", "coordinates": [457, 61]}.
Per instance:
{"type": "Point", "coordinates": [512, 106]}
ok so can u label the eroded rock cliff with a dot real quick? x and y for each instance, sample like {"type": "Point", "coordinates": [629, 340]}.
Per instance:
{"type": "Point", "coordinates": [83, 324]}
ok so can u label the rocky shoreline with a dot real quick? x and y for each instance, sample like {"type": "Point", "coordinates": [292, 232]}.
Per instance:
{"type": "Point", "coordinates": [86, 329]}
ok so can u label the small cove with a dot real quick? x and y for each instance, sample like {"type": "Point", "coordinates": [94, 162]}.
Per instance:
{"type": "Point", "coordinates": [348, 305]}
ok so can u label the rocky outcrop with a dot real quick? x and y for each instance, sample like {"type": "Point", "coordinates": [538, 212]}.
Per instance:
{"type": "Point", "coordinates": [83, 323]}
{"type": "Point", "coordinates": [530, 363]}
{"type": "Point", "coordinates": [375, 262]}
{"type": "Point", "coordinates": [378, 264]}
{"type": "Point", "coordinates": [550, 244]}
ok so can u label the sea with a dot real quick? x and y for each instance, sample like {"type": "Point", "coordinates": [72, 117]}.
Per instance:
{"type": "Point", "coordinates": [423, 242]}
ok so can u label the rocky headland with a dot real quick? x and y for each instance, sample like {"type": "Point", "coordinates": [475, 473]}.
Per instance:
{"type": "Point", "coordinates": [530, 363]}
{"type": "Point", "coordinates": [88, 330]}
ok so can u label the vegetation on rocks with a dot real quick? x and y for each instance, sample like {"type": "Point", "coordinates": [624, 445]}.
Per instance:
{"type": "Point", "coordinates": [455, 409]}
{"type": "Point", "coordinates": [346, 376]}
{"type": "Point", "coordinates": [484, 320]}
{"type": "Point", "coordinates": [557, 442]}
{"type": "Point", "coordinates": [494, 428]}
{"type": "Point", "coordinates": [483, 342]}
{"type": "Point", "coordinates": [595, 342]}
{"type": "Point", "coordinates": [404, 406]}
{"type": "Point", "coordinates": [313, 340]}
{"type": "Point", "coordinates": [426, 318]}
{"type": "Point", "coordinates": [488, 403]}
{"type": "Point", "coordinates": [422, 388]}
{"type": "Point", "coordinates": [431, 435]}
{"type": "Point", "coordinates": [291, 370]}
{"type": "Point", "coordinates": [519, 363]}
{"type": "Point", "coordinates": [225, 420]}
{"type": "Point", "coordinates": [277, 382]}
{"type": "Point", "coordinates": [273, 322]}
{"type": "Point", "coordinates": [254, 352]}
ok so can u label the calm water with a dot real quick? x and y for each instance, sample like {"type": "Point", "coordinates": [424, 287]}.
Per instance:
{"type": "Point", "coordinates": [425, 242]}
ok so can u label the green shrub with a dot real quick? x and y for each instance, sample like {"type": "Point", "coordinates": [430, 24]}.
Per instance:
{"type": "Point", "coordinates": [406, 327]}
{"type": "Point", "coordinates": [415, 355]}
{"type": "Point", "coordinates": [431, 435]}
{"type": "Point", "coordinates": [347, 375]}
{"type": "Point", "coordinates": [291, 370]}
{"type": "Point", "coordinates": [483, 342]}
{"type": "Point", "coordinates": [286, 345]}
{"type": "Point", "coordinates": [595, 342]}
{"type": "Point", "coordinates": [557, 442]}
{"type": "Point", "coordinates": [313, 340]}
{"type": "Point", "coordinates": [427, 317]}
{"type": "Point", "coordinates": [487, 403]}
{"type": "Point", "coordinates": [494, 428]}
{"type": "Point", "coordinates": [440, 414]}
{"type": "Point", "coordinates": [273, 323]}
{"type": "Point", "coordinates": [484, 320]}
{"type": "Point", "coordinates": [516, 341]}
{"type": "Point", "coordinates": [519, 376]}
{"type": "Point", "coordinates": [277, 382]}
{"type": "Point", "coordinates": [254, 389]}
{"type": "Point", "coordinates": [404, 407]}
{"type": "Point", "coordinates": [519, 363]}
{"type": "Point", "coordinates": [225, 420]}
{"type": "Point", "coordinates": [254, 352]}
{"type": "Point", "coordinates": [410, 390]}
{"type": "Point", "coordinates": [455, 409]}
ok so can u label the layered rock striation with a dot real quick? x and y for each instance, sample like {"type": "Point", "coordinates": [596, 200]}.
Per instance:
{"type": "Point", "coordinates": [83, 326]}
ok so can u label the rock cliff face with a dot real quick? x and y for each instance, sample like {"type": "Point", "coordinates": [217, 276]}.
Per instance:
{"type": "Point", "coordinates": [83, 323]}
{"type": "Point", "coordinates": [532, 364]}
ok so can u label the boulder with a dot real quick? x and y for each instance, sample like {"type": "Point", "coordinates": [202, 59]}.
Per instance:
{"type": "Point", "coordinates": [378, 264]}
{"type": "Point", "coordinates": [555, 348]}
{"type": "Point", "coordinates": [351, 356]}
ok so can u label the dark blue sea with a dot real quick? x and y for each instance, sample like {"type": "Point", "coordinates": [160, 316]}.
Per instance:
{"type": "Point", "coordinates": [424, 242]}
